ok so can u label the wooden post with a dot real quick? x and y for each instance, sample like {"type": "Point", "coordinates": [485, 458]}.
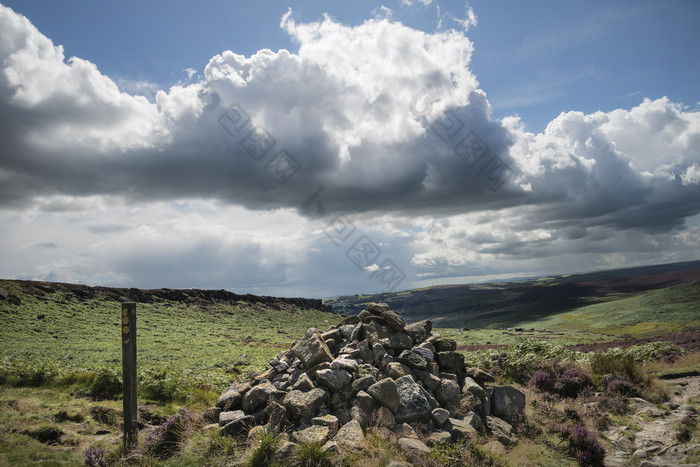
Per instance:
{"type": "Point", "coordinates": [128, 334]}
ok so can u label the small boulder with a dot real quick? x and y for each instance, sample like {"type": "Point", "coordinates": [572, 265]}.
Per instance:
{"type": "Point", "coordinates": [438, 437]}
{"type": "Point", "coordinates": [334, 380]}
{"type": "Point", "coordinates": [313, 434]}
{"type": "Point", "coordinates": [447, 390]}
{"type": "Point", "coordinates": [257, 397]}
{"type": "Point", "coordinates": [394, 321]}
{"type": "Point", "coordinates": [440, 416]}
{"type": "Point", "coordinates": [303, 383]}
{"type": "Point", "coordinates": [386, 393]}
{"type": "Point", "coordinates": [413, 405]}
{"type": "Point", "coordinates": [415, 446]}
{"type": "Point", "coordinates": [507, 402]}
{"type": "Point", "coordinates": [311, 349]}
{"type": "Point", "coordinates": [418, 332]}
{"type": "Point", "coordinates": [351, 437]}
{"type": "Point", "coordinates": [305, 405]}
{"type": "Point", "coordinates": [459, 429]}
{"type": "Point", "coordinates": [377, 308]}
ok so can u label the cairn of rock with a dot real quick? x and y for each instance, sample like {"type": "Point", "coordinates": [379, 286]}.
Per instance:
{"type": "Point", "coordinates": [371, 369]}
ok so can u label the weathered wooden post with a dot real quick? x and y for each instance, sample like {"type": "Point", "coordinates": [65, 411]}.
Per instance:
{"type": "Point", "coordinates": [129, 374]}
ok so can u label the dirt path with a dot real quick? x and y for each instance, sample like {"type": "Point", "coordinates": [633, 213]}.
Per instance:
{"type": "Point", "coordinates": [650, 440]}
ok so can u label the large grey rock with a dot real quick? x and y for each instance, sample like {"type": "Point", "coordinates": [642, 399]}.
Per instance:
{"type": "Point", "coordinates": [413, 445]}
{"type": "Point", "coordinates": [473, 387]}
{"type": "Point", "coordinates": [313, 434]}
{"type": "Point", "coordinates": [331, 421]}
{"type": "Point", "coordinates": [375, 333]}
{"type": "Point", "coordinates": [413, 360]}
{"type": "Point", "coordinates": [257, 397]}
{"type": "Point", "coordinates": [427, 354]}
{"type": "Point", "coordinates": [305, 405]}
{"type": "Point", "coordinates": [351, 437]}
{"type": "Point", "coordinates": [394, 321]}
{"type": "Point", "coordinates": [447, 390]}
{"type": "Point", "coordinates": [344, 363]}
{"type": "Point", "coordinates": [227, 417]}
{"type": "Point", "coordinates": [429, 380]}
{"type": "Point", "coordinates": [334, 380]}
{"type": "Point", "coordinates": [379, 352]}
{"type": "Point", "coordinates": [502, 430]}
{"type": "Point", "coordinates": [438, 437]}
{"type": "Point", "coordinates": [507, 402]}
{"type": "Point", "coordinates": [453, 361]}
{"type": "Point", "coordinates": [413, 405]}
{"type": "Point", "coordinates": [377, 308]}
{"type": "Point", "coordinates": [237, 425]}
{"type": "Point", "coordinates": [366, 354]}
{"type": "Point", "coordinates": [303, 383]}
{"type": "Point", "coordinates": [397, 370]}
{"type": "Point", "coordinates": [440, 416]}
{"type": "Point", "coordinates": [386, 393]}
{"type": "Point", "coordinates": [361, 384]}
{"type": "Point", "coordinates": [365, 402]}
{"type": "Point", "coordinates": [473, 419]}
{"type": "Point", "coordinates": [211, 415]}
{"type": "Point", "coordinates": [480, 375]}
{"type": "Point", "coordinates": [385, 417]}
{"type": "Point", "coordinates": [418, 332]}
{"type": "Point", "coordinates": [367, 370]}
{"type": "Point", "coordinates": [276, 416]}
{"type": "Point", "coordinates": [311, 349]}
{"type": "Point", "coordinates": [459, 429]}
{"type": "Point", "coordinates": [232, 397]}
{"type": "Point", "coordinates": [445, 345]}
{"type": "Point", "coordinates": [400, 341]}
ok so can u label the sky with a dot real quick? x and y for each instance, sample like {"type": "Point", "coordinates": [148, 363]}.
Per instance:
{"type": "Point", "coordinates": [325, 148]}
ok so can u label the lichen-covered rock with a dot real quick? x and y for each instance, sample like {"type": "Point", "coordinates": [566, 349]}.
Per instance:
{"type": "Point", "coordinates": [386, 393]}
{"type": "Point", "coordinates": [471, 386]}
{"type": "Point", "coordinates": [313, 434]}
{"type": "Point", "coordinates": [305, 405]}
{"type": "Point", "coordinates": [445, 345]}
{"type": "Point", "coordinates": [413, 405]}
{"type": "Point", "coordinates": [385, 417]}
{"type": "Point", "coordinates": [311, 349]}
{"type": "Point", "coordinates": [507, 402]}
{"type": "Point", "coordinates": [237, 424]}
{"type": "Point", "coordinates": [447, 390]}
{"type": "Point", "coordinates": [440, 416]}
{"type": "Point", "coordinates": [334, 380]}
{"type": "Point", "coordinates": [502, 430]}
{"type": "Point", "coordinates": [365, 402]}
{"type": "Point", "coordinates": [344, 363]}
{"type": "Point", "coordinates": [438, 437]}
{"type": "Point", "coordinates": [211, 415]}
{"type": "Point", "coordinates": [398, 370]}
{"type": "Point", "coordinates": [419, 331]}
{"type": "Point", "coordinates": [473, 419]}
{"type": "Point", "coordinates": [377, 308]}
{"type": "Point", "coordinates": [303, 383]}
{"type": "Point", "coordinates": [351, 437]}
{"type": "Point", "coordinates": [232, 397]}
{"type": "Point", "coordinates": [413, 445]}
{"type": "Point", "coordinates": [429, 380]}
{"type": "Point", "coordinates": [394, 321]}
{"type": "Point", "coordinates": [480, 375]}
{"type": "Point", "coordinates": [276, 416]}
{"type": "Point", "coordinates": [257, 397]}
{"type": "Point", "coordinates": [450, 361]}
{"type": "Point", "coordinates": [413, 360]}
{"type": "Point", "coordinates": [459, 429]}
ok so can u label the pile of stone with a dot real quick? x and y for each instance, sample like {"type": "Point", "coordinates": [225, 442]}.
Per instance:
{"type": "Point", "coordinates": [371, 369]}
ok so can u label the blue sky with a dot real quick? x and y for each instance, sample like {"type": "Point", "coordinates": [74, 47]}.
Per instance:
{"type": "Point", "coordinates": [103, 186]}
{"type": "Point", "coordinates": [534, 59]}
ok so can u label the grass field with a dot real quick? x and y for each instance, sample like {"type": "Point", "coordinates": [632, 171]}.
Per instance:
{"type": "Point", "coordinates": [60, 360]}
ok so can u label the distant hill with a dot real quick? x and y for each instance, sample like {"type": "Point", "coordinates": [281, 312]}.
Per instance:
{"type": "Point", "coordinates": [46, 290]}
{"type": "Point", "coordinates": [509, 304]}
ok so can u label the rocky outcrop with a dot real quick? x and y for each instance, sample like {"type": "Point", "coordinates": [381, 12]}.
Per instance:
{"type": "Point", "coordinates": [371, 368]}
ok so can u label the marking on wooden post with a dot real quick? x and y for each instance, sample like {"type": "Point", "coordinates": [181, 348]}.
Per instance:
{"type": "Point", "coordinates": [128, 325]}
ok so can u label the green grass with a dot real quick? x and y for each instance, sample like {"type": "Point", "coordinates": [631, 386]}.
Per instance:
{"type": "Point", "coordinates": [76, 342]}
{"type": "Point", "coordinates": [672, 309]}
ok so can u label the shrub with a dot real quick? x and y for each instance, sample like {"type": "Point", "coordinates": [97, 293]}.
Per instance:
{"type": "Point", "coordinates": [311, 455]}
{"type": "Point", "coordinates": [165, 439]}
{"type": "Point", "coordinates": [95, 457]}
{"type": "Point", "coordinates": [685, 428]}
{"type": "Point", "coordinates": [267, 442]}
{"type": "Point", "coordinates": [563, 380]}
{"type": "Point", "coordinates": [623, 365]}
{"type": "Point", "coordinates": [584, 445]}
